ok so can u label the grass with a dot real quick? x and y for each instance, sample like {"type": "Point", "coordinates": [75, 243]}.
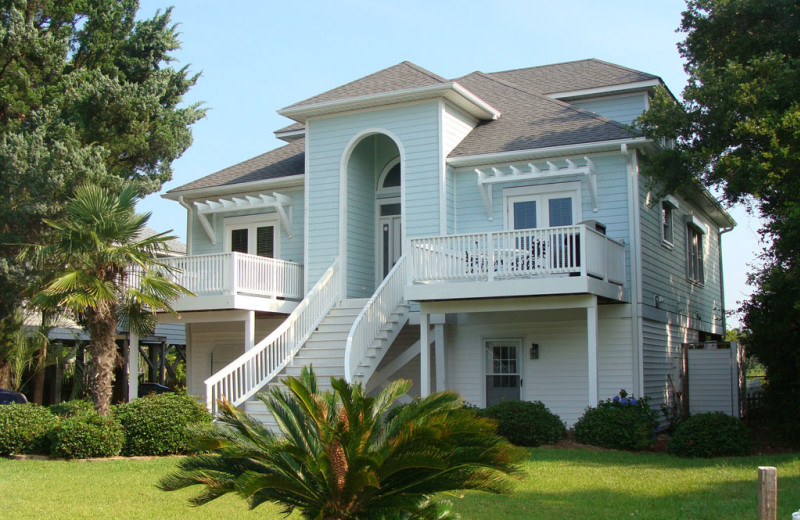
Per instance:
{"type": "Point", "coordinates": [570, 483]}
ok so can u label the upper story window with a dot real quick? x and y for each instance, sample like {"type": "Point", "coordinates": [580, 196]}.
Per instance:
{"type": "Point", "coordinates": [542, 206]}
{"type": "Point", "coordinates": [694, 253]}
{"type": "Point", "coordinates": [389, 180]}
{"type": "Point", "coordinates": [251, 235]}
{"type": "Point", "coordinates": [667, 231]}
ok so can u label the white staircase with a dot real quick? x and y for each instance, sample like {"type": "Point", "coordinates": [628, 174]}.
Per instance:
{"type": "Point", "coordinates": [347, 339]}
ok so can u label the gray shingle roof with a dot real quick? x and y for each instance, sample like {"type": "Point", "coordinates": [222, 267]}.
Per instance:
{"type": "Point", "coordinates": [573, 75]}
{"type": "Point", "coordinates": [404, 75]}
{"type": "Point", "coordinates": [174, 246]}
{"type": "Point", "coordinates": [282, 162]}
{"type": "Point", "coordinates": [530, 120]}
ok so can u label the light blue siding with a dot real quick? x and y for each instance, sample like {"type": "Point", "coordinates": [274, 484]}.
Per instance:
{"type": "Point", "coordinates": [416, 127]}
{"type": "Point", "coordinates": [623, 108]}
{"type": "Point", "coordinates": [290, 248]}
{"type": "Point", "coordinates": [612, 194]}
{"type": "Point", "coordinates": [664, 266]}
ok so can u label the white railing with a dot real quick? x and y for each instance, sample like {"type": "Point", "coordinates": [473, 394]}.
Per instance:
{"type": "Point", "coordinates": [237, 273]}
{"type": "Point", "coordinates": [248, 373]}
{"type": "Point", "coordinates": [508, 255]}
{"type": "Point", "coordinates": [372, 318]}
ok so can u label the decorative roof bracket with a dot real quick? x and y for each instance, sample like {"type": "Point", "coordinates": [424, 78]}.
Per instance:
{"type": "Point", "coordinates": [277, 201]}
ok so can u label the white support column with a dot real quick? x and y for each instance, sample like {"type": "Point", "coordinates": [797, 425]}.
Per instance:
{"type": "Point", "coordinates": [424, 355]}
{"type": "Point", "coordinates": [133, 365]}
{"type": "Point", "coordinates": [249, 330]}
{"type": "Point", "coordinates": [438, 333]}
{"type": "Point", "coordinates": [592, 340]}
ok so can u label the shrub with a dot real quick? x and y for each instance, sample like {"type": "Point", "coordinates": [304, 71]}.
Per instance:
{"type": "Point", "coordinates": [85, 435]}
{"type": "Point", "coordinates": [156, 424]}
{"type": "Point", "coordinates": [710, 435]}
{"type": "Point", "coordinates": [622, 422]}
{"type": "Point", "coordinates": [526, 423]}
{"type": "Point", "coordinates": [24, 429]}
{"type": "Point", "coordinates": [72, 408]}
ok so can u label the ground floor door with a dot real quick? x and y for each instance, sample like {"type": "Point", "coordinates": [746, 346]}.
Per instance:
{"type": "Point", "coordinates": [503, 370]}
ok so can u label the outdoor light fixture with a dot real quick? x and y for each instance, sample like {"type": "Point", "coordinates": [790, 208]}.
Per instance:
{"type": "Point", "coordinates": [534, 351]}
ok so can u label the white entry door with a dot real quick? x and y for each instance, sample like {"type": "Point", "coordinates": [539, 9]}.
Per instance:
{"type": "Point", "coordinates": [503, 370]}
{"type": "Point", "coordinates": [390, 238]}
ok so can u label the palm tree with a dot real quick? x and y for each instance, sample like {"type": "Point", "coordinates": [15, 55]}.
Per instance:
{"type": "Point", "coordinates": [338, 458]}
{"type": "Point", "coordinates": [104, 273]}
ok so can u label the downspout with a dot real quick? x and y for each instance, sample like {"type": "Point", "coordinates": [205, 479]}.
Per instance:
{"type": "Point", "coordinates": [189, 215]}
{"type": "Point", "coordinates": [722, 279]}
{"type": "Point", "coordinates": [636, 262]}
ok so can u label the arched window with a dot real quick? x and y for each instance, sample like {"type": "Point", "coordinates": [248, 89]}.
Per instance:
{"type": "Point", "coordinates": [389, 180]}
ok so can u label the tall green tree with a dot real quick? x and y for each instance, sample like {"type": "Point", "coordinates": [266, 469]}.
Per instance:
{"type": "Point", "coordinates": [105, 272]}
{"type": "Point", "coordinates": [87, 95]}
{"type": "Point", "coordinates": [341, 456]}
{"type": "Point", "coordinates": [738, 129]}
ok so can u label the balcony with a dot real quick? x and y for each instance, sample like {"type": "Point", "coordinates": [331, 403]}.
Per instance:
{"type": "Point", "coordinates": [237, 281]}
{"type": "Point", "coordinates": [530, 262]}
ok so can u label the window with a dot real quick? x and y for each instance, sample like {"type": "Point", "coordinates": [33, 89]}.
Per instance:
{"type": "Point", "coordinates": [551, 205]}
{"type": "Point", "coordinates": [244, 235]}
{"type": "Point", "coordinates": [666, 222]}
{"type": "Point", "coordinates": [694, 253]}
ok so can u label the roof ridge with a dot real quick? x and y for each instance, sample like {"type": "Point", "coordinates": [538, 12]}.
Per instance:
{"type": "Point", "coordinates": [563, 104]}
{"type": "Point", "coordinates": [542, 66]}
{"type": "Point", "coordinates": [425, 71]}
{"type": "Point", "coordinates": [622, 67]}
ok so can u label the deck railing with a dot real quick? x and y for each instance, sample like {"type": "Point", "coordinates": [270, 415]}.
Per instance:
{"type": "Point", "coordinates": [508, 255]}
{"type": "Point", "coordinates": [248, 373]}
{"type": "Point", "coordinates": [237, 273]}
{"type": "Point", "coordinates": [373, 317]}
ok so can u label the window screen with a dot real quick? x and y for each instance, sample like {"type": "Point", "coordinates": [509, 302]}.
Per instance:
{"type": "Point", "coordinates": [239, 240]}
{"type": "Point", "coordinates": [525, 214]}
{"type": "Point", "coordinates": [265, 241]}
{"type": "Point", "coordinates": [560, 211]}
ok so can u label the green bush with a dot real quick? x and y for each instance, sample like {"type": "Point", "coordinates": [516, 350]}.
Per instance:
{"type": "Point", "coordinates": [24, 429]}
{"type": "Point", "coordinates": [85, 435]}
{"type": "Point", "coordinates": [710, 435]}
{"type": "Point", "coordinates": [156, 424]}
{"type": "Point", "coordinates": [72, 408]}
{"type": "Point", "coordinates": [622, 422]}
{"type": "Point", "coordinates": [526, 423]}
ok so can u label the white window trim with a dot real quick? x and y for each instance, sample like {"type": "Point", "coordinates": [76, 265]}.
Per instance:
{"type": "Point", "coordinates": [672, 204]}
{"type": "Point", "coordinates": [395, 191]}
{"type": "Point", "coordinates": [521, 358]}
{"type": "Point", "coordinates": [692, 225]}
{"type": "Point", "coordinates": [251, 223]}
{"type": "Point", "coordinates": [521, 193]}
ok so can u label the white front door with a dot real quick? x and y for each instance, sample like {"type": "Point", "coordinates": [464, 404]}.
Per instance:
{"type": "Point", "coordinates": [503, 370]}
{"type": "Point", "coordinates": [389, 237]}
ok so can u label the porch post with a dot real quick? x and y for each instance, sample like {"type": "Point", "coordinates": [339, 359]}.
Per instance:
{"type": "Point", "coordinates": [592, 340]}
{"type": "Point", "coordinates": [249, 330]}
{"type": "Point", "coordinates": [424, 355]}
{"type": "Point", "coordinates": [133, 365]}
{"type": "Point", "coordinates": [438, 333]}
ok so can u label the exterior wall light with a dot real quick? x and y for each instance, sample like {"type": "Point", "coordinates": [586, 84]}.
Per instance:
{"type": "Point", "coordinates": [534, 351]}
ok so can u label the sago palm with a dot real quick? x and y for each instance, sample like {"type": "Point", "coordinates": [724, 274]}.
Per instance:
{"type": "Point", "coordinates": [105, 272]}
{"type": "Point", "coordinates": [338, 458]}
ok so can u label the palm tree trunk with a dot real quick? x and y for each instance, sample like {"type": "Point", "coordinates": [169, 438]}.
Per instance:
{"type": "Point", "coordinates": [38, 380]}
{"type": "Point", "coordinates": [102, 325]}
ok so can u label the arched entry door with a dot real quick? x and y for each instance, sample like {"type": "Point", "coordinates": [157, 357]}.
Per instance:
{"type": "Point", "coordinates": [389, 241]}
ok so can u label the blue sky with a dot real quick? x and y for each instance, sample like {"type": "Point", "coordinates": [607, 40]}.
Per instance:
{"type": "Point", "coordinates": [256, 57]}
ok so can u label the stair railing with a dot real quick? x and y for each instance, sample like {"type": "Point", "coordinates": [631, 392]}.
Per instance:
{"type": "Point", "coordinates": [375, 314]}
{"type": "Point", "coordinates": [248, 373]}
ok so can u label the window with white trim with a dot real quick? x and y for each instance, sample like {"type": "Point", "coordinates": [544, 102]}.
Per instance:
{"type": "Point", "coordinates": [694, 253]}
{"type": "Point", "coordinates": [254, 237]}
{"type": "Point", "coordinates": [667, 230]}
{"type": "Point", "coordinates": [551, 205]}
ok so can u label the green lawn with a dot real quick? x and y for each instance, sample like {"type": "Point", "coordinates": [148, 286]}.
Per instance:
{"type": "Point", "coordinates": [559, 484]}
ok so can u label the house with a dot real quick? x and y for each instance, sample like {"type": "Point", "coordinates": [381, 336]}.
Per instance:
{"type": "Point", "coordinates": [490, 234]}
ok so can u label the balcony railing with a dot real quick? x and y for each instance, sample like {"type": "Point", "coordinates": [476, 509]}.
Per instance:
{"type": "Point", "coordinates": [237, 273]}
{"type": "Point", "coordinates": [520, 254]}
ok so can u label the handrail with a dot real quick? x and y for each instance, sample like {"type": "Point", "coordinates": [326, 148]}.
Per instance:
{"type": "Point", "coordinates": [248, 373]}
{"type": "Point", "coordinates": [365, 329]}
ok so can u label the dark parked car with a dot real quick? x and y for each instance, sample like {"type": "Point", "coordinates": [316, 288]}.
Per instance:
{"type": "Point", "coordinates": [9, 397]}
{"type": "Point", "coordinates": [153, 388]}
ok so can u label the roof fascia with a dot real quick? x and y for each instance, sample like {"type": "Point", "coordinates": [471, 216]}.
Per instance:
{"type": "Point", "coordinates": [292, 136]}
{"type": "Point", "coordinates": [289, 181]}
{"type": "Point", "coordinates": [452, 91]}
{"type": "Point", "coordinates": [612, 89]}
{"type": "Point", "coordinates": [551, 151]}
